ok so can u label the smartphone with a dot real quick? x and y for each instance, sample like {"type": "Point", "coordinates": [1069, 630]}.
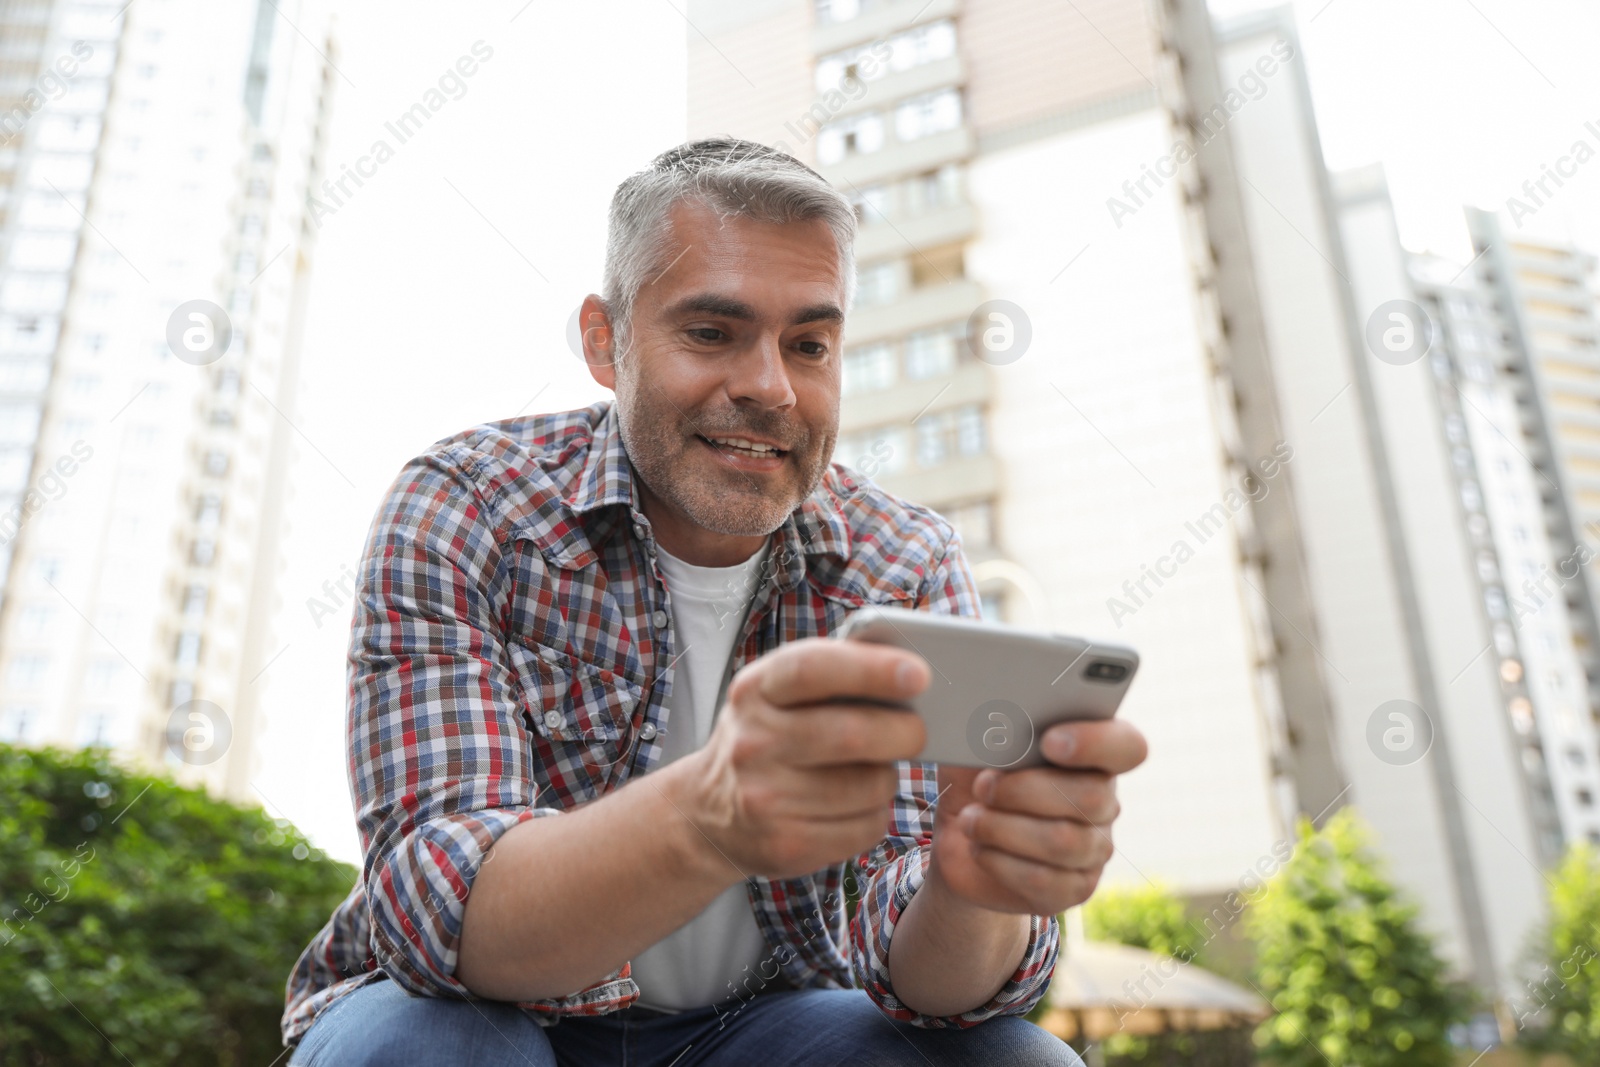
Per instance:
{"type": "Point", "coordinates": [995, 689]}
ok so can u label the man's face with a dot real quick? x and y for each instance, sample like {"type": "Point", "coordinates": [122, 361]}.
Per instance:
{"type": "Point", "coordinates": [728, 392]}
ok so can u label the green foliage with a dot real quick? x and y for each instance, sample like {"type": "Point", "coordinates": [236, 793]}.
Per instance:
{"type": "Point", "coordinates": [144, 915]}
{"type": "Point", "coordinates": [1148, 917]}
{"type": "Point", "coordinates": [1565, 992]}
{"type": "Point", "coordinates": [1341, 957]}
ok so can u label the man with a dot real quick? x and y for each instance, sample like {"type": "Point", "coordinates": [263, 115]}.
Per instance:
{"type": "Point", "coordinates": [610, 776]}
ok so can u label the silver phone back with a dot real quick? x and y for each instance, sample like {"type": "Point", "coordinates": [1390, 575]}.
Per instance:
{"type": "Point", "coordinates": [995, 689]}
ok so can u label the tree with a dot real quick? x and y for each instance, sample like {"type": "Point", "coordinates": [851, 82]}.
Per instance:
{"type": "Point", "coordinates": [1564, 996]}
{"type": "Point", "coordinates": [1341, 957]}
{"type": "Point", "coordinates": [143, 915]}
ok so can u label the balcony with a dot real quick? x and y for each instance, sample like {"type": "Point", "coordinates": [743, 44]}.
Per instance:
{"type": "Point", "coordinates": [929, 306]}
{"type": "Point", "coordinates": [897, 159]}
{"type": "Point", "coordinates": [959, 480]}
{"type": "Point", "coordinates": [892, 88]}
{"type": "Point", "coordinates": [880, 238]}
{"type": "Point", "coordinates": [879, 20]}
{"type": "Point", "coordinates": [906, 400]}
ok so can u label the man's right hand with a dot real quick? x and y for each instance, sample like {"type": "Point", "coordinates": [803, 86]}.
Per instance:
{"type": "Point", "coordinates": [797, 774]}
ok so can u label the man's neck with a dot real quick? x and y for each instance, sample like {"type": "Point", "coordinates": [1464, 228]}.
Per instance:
{"type": "Point", "coordinates": [687, 540]}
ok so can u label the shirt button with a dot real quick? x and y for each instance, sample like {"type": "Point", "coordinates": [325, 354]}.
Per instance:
{"type": "Point", "coordinates": [552, 719]}
{"type": "Point", "coordinates": [647, 731]}
{"type": "Point", "coordinates": [638, 530]}
{"type": "Point", "coordinates": [549, 655]}
{"type": "Point", "coordinates": [660, 619]}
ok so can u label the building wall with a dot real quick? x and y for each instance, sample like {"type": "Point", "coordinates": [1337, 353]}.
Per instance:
{"type": "Point", "coordinates": [1074, 467]}
{"type": "Point", "coordinates": [177, 194]}
{"type": "Point", "coordinates": [1111, 456]}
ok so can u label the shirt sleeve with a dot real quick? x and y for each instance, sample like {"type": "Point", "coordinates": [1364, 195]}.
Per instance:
{"type": "Point", "coordinates": [893, 872]}
{"type": "Point", "coordinates": [439, 753]}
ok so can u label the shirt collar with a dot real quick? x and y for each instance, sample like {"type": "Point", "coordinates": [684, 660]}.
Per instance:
{"type": "Point", "coordinates": [816, 527]}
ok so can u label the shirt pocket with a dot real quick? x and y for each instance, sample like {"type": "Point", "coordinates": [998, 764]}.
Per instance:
{"type": "Point", "coordinates": [581, 716]}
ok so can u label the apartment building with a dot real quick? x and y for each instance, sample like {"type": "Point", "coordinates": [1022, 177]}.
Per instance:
{"type": "Point", "coordinates": [152, 360]}
{"type": "Point", "coordinates": [1048, 372]}
{"type": "Point", "coordinates": [1417, 506]}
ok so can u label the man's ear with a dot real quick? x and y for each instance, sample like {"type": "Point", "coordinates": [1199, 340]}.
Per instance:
{"type": "Point", "coordinates": [599, 341]}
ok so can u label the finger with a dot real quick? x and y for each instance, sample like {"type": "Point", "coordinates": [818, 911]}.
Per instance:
{"type": "Point", "coordinates": [1050, 792]}
{"type": "Point", "coordinates": [1114, 746]}
{"type": "Point", "coordinates": [1054, 842]}
{"type": "Point", "coordinates": [828, 734]}
{"type": "Point", "coordinates": [845, 792]}
{"type": "Point", "coordinates": [1042, 889]}
{"type": "Point", "coordinates": [821, 669]}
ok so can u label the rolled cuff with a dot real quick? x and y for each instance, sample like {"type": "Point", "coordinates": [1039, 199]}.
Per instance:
{"type": "Point", "coordinates": [884, 900]}
{"type": "Point", "coordinates": [418, 895]}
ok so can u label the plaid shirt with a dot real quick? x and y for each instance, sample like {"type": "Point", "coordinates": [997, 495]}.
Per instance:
{"type": "Point", "coordinates": [510, 659]}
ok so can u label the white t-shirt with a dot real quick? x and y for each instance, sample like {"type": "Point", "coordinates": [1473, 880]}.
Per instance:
{"type": "Point", "coordinates": [703, 962]}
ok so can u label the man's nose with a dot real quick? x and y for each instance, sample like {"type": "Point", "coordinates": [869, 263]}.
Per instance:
{"type": "Point", "coordinates": [761, 376]}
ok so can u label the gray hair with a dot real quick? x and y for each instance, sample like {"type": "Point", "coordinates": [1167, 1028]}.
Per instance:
{"type": "Point", "coordinates": [733, 178]}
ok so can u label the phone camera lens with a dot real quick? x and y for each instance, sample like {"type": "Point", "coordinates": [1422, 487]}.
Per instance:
{"type": "Point", "coordinates": [1104, 671]}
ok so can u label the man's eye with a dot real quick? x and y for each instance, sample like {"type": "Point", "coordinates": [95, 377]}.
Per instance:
{"type": "Point", "coordinates": [706, 333]}
{"type": "Point", "coordinates": [813, 348]}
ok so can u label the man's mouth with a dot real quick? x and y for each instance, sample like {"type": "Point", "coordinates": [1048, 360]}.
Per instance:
{"type": "Point", "coordinates": [743, 448]}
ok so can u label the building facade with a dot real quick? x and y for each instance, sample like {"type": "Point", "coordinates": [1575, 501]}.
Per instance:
{"type": "Point", "coordinates": [159, 338]}
{"type": "Point", "coordinates": [1044, 372]}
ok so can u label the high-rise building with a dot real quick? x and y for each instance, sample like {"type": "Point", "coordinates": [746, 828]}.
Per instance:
{"type": "Point", "coordinates": [1518, 326]}
{"type": "Point", "coordinates": [153, 269]}
{"type": "Point", "coordinates": [1415, 501]}
{"type": "Point", "coordinates": [1047, 370]}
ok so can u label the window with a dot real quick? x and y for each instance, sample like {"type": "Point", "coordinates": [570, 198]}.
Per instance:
{"type": "Point", "coordinates": [15, 723]}
{"type": "Point", "coordinates": [974, 522]}
{"type": "Point", "coordinates": [937, 266]}
{"type": "Point", "coordinates": [102, 674]}
{"type": "Point", "coordinates": [871, 203]}
{"type": "Point", "coordinates": [868, 369]}
{"type": "Point", "coordinates": [35, 619]}
{"type": "Point", "coordinates": [934, 190]}
{"type": "Point", "coordinates": [877, 283]}
{"type": "Point", "coordinates": [931, 353]}
{"type": "Point", "coordinates": [925, 44]}
{"type": "Point", "coordinates": [856, 135]}
{"type": "Point", "coordinates": [194, 602]}
{"type": "Point", "coordinates": [837, 10]}
{"type": "Point", "coordinates": [873, 452]}
{"type": "Point", "coordinates": [26, 671]}
{"type": "Point", "coordinates": [950, 434]}
{"type": "Point", "coordinates": [924, 116]}
{"type": "Point", "coordinates": [1585, 798]}
{"type": "Point", "coordinates": [187, 653]}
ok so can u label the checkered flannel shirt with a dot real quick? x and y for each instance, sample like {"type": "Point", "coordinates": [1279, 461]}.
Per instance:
{"type": "Point", "coordinates": [510, 659]}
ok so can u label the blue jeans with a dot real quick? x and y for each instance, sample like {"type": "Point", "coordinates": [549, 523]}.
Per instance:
{"type": "Point", "coordinates": [380, 1023]}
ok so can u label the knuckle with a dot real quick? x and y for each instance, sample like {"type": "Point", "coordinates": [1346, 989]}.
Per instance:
{"type": "Point", "coordinates": [1066, 838]}
{"type": "Point", "coordinates": [749, 746]}
{"type": "Point", "coordinates": [1038, 882]}
{"type": "Point", "coordinates": [850, 737]}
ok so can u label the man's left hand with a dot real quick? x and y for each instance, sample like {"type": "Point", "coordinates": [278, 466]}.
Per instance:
{"type": "Point", "coordinates": [1035, 841]}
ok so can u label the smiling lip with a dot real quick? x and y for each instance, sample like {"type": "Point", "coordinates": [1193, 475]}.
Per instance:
{"type": "Point", "coordinates": [745, 453]}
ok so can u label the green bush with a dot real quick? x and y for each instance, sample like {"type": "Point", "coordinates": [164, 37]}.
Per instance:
{"type": "Point", "coordinates": [1563, 998]}
{"type": "Point", "coordinates": [143, 915]}
{"type": "Point", "coordinates": [1148, 917]}
{"type": "Point", "coordinates": [1340, 955]}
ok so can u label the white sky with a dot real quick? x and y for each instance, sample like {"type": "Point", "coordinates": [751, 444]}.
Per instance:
{"type": "Point", "coordinates": [428, 317]}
